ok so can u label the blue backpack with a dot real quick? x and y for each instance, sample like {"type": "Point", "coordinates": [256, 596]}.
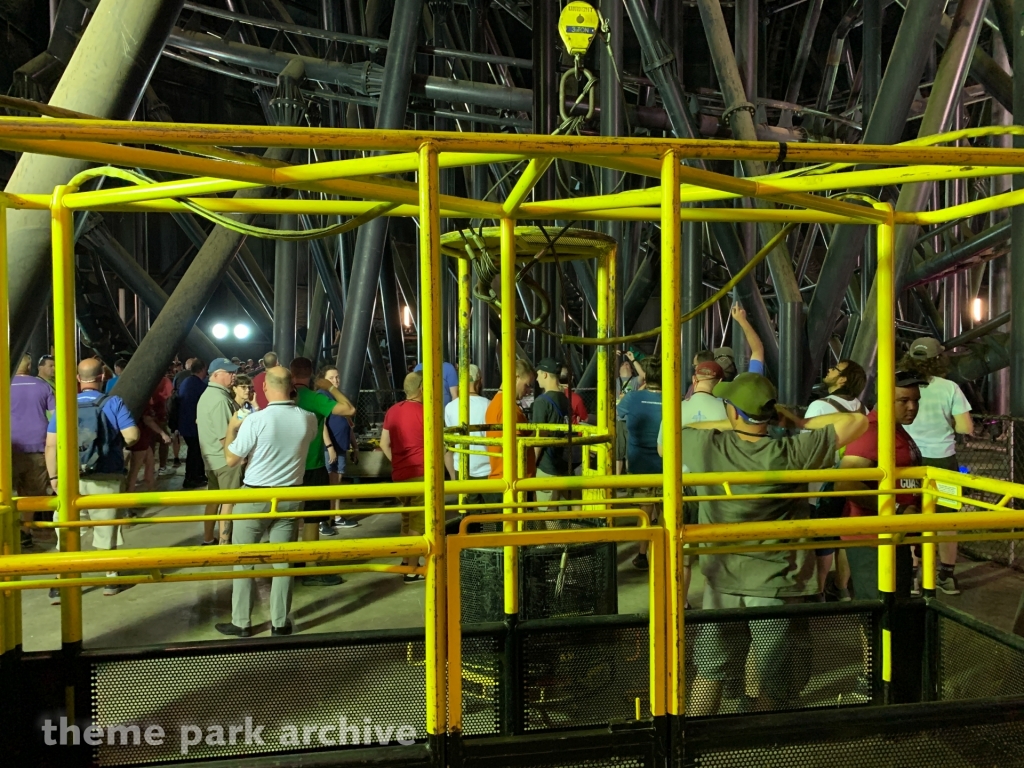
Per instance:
{"type": "Point", "coordinates": [100, 445]}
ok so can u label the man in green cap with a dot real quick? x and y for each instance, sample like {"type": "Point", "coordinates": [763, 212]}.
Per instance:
{"type": "Point", "coordinates": [765, 578]}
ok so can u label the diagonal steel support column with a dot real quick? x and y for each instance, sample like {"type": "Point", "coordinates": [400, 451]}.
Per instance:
{"type": "Point", "coordinates": [657, 65]}
{"type": "Point", "coordinates": [185, 305]}
{"type": "Point", "coordinates": [741, 120]}
{"type": "Point", "coordinates": [145, 287]}
{"type": "Point", "coordinates": [106, 77]}
{"type": "Point", "coordinates": [362, 290]}
{"type": "Point", "coordinates": [944, 99]}
{"type": "Point", "coordinates": [888, 119]}
{"type": "Point", "coordinates": [1017, 278]}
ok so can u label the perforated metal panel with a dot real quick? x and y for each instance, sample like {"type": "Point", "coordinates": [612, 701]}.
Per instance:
{"type": "Point", "coordinates": [773, 664]}
{"type": "Point", "coordinates": [583, 677]}
{"type": "Point", "coordinates": [980, 746]}
{"type": "Point", "coordinates": [380, 685]}
{"type": "Point", "coordinates": [974, 666]}
{"type": "Point", "coordinates": [481, 685]}
{"type": "Point", "coordinates": [637, 761]}
{"type": "Point", "coordinates": [582, 583]}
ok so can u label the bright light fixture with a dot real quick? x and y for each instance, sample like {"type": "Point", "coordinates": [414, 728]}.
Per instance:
{"type": "Point", "coordinates": [407, 316]}
{"type": "Point", "coordinates": [977, 310]}
{"type": "Point", "coordinates": [220, 331]}
{"type": "Point", "coordinates": [241, 331]}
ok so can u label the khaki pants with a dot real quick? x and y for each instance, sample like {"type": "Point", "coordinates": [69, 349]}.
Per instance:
{"type": "Point", "coordinates": [550, 525]}
{"type": "Point", "coordinates": [105, 536]}
{"type": "Point", "coordinates": [413, 521]}
{"type": "Point", "coordinates": [281, 531]}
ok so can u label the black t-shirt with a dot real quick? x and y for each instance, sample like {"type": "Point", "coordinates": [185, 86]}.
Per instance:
{"type": "Point", "coordinates": [552, 408]}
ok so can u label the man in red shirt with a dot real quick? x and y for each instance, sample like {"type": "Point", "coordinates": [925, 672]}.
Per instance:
{"type": "Point", "coordinates": [269, 361]}
{"type": "Point", "coordinates": [863, 453]}
{"type": "Point", "coordinates": [401, 440]}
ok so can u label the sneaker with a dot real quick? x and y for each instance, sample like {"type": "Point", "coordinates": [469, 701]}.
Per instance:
{"type": "Point", "coordinates": [412, 578]}
{"type": "Point", "coordinates": [164, 471]}
{"type": "Point", "coordinates": [176, 463]}
{"type": "Point", "coordinates": [640, 562]}
{"type": "Point", "coordinates": [326, 529]}
{"type": "Point", "coordinates": [26, 541]}
{"type": "Point", "coordinates": [844, 594]}
{"type": "Point", "coordinates": [54, 596]}
{"type": "Point", "coordinates": [947, 585]}
{"type": "Point", "coordinates": [345, 522]}
{"type": "Point", "coordinates": [915, 588]}
{"type": "Point", "coordinates": [111, 589]}
{"type": "Point", "coordinates": [229, 629]}
{"type": "Point", "coordinates": [213, 543]}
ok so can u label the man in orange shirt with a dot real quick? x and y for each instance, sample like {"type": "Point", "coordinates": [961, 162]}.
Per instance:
{"type": "Point", "coordinates": [525, 377]}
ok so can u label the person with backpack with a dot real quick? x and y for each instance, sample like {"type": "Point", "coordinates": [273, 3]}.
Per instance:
{"type": "Point", "coordinates": [105, 429]}
{"type": "Point", "coordinates": [843, 383]}
{"type": "Point", "coordinates": [551, 406]}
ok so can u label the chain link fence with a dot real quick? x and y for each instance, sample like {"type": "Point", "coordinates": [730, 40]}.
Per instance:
{"type": "Point", "coordinates": [995, 450]}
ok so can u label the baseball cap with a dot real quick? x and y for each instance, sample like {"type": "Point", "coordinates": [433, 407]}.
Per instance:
{"type": "Point", "coordinates": [751, 394]}
{"type": "Point", "coordinates": [222, 364]}
{"type": "Point", "coordinates": [549, 365]}
{"type": "Point", "coordinates": [709, 370]}
{"type": "Point", "coordinates": [926, 348]}
{"type": "Point", "coordinates": [910, 379]}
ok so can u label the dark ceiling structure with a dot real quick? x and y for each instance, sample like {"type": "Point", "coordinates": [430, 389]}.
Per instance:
{"type": "Point", "coordinates": [843, 71]}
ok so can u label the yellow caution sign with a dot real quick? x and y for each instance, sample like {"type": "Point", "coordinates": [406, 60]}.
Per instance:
{"type": "Point", "coordinates": [578, 25]}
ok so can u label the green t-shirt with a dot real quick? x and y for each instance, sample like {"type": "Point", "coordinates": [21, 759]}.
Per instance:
{"type": "Point", "coordinates": [320, 406]}
{"type": "Point", "coordinates": [781, 573]}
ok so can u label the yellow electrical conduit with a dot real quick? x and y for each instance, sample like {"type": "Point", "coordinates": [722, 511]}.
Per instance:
{"type": "Point", "coordinates": [715, 298]}
{"type": "Point", "coordinates": [232, 224]}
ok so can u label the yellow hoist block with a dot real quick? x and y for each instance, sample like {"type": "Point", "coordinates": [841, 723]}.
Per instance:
{"type": "Point", "coordinates": [578, 25]}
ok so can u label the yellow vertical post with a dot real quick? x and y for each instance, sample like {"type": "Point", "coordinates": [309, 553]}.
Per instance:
{"type": "Point", "coordinates": [671, 400]}
{"type": "Point", "coordinates": [928, 507]}
{"type": "Point", "coordinates": [886, 381]}
{"type": "Point", "coordinates": [65, 353]}
{"type": "Point", "coordinates": [433, 444]}
{"type": "Point", "coordinates": [509, 406]}
{"type": "Point", "coordinates": [465, 269]}
{"type": "Point", "coordinates": [606, 268]}
{"type": "Point", "coordinates": [9, 519]}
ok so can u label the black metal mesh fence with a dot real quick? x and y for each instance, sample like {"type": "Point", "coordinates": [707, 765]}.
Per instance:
{"type": "Point", "coordinates": [995, 450]}
{"type": "Point", "coordinates": [785, 661]}
{"type": "Point", "coordinates": [967, 746]}
{"type": "Point", "coordinates": [973, 665]}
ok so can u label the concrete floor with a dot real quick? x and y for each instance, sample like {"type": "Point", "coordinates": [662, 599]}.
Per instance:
{"type": "Point", "coordinates": [169, 613]}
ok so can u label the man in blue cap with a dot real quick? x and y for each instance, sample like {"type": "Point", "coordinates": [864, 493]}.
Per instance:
{"type": "Point", "coordinates": [216, 407]}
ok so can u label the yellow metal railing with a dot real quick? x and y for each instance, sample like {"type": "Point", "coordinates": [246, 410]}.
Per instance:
{"type": "Point", "coordinates": [376, 186]}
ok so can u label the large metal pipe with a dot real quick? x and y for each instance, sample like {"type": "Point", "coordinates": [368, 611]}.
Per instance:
{"type": "Point", "coordinates": [992, 237]}
{"type": "Point", "coordinates": [944, 99]}
{"type": "Point", "coordinates": [888, 118]}
{"type": "Point", "coordinates": [362, 290]}
{"type": "Point", "coordinates": [365, 78]}
{"type": "Point", "coordinates": [330, 34]}
{"type": "Point", "coordinates": [185, 305]}
{"type": "Point", "coordinates": [106, 77]}
{"type": "Point", "coordinates": [871, 77]}
{"type": "Point", "coordinates": [145, 287]}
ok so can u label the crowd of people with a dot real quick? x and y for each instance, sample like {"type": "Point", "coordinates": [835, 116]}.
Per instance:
{"type": "Point", "coordinates": [266, 425]}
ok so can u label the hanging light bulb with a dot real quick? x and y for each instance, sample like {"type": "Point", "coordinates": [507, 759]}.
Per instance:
{"type": "Point", "coordinates": [977, 310]}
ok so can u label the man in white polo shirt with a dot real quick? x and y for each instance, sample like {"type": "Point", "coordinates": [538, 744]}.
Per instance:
{"type": "Point", "coordinates": [276, 441]}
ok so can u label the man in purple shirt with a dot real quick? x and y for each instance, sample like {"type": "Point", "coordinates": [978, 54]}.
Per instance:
{"type": "Point", "coordinates": [31, 398]}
